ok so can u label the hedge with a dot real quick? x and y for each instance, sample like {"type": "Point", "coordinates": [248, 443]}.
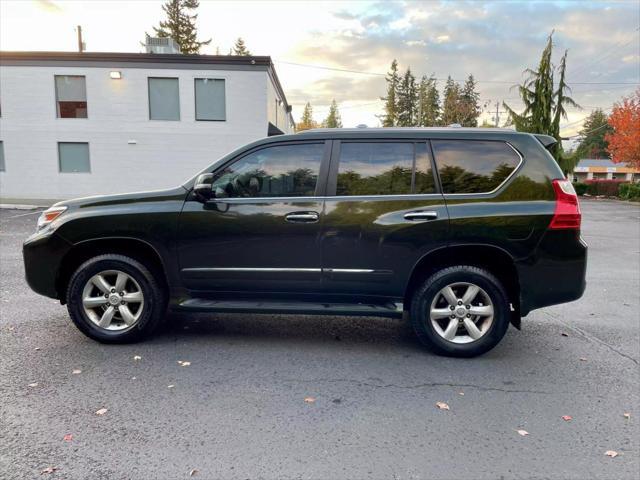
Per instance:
{"type": "Point", "coordinates": [607, 188]}
{"type": "Point", "coordinates": [581, 188]}
{"type": "Point", "coordinates": [630, 191]}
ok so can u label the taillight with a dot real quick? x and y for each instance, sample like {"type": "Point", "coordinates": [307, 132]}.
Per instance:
{"type": "Point", "coordinates": [567, 213]}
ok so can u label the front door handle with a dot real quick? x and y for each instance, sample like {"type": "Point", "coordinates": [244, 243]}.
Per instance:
{"type": "Point", "coordinates": [420, 216]}
{"type": "Point", "coordinates": [302, 217]}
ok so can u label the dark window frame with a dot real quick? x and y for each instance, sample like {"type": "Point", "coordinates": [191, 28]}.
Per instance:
{"type": "Point", "coordinates": [60, 157]}
{"type": "Point", "coordinates": [179, 119]}
{"type": "Point", "coordinates": [498, 188]}
{"type": "Point", "coordinates": [332, 182]}
{"type": "Point", "coordinates": [86, 96]}
{"type": "Point", "coordinates": [195, 100]}
{"type": "Point", "coordinates": [321, 183]}
{"type": "Point", "coordinates": [3, 164]}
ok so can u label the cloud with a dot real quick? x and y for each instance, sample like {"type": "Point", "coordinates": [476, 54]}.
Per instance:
{"type": "Point", "coordinates": [48, 6]}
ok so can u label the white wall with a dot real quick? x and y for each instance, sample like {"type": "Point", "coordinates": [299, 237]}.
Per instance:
{"type": "Point", "coordinates": [166, 153]}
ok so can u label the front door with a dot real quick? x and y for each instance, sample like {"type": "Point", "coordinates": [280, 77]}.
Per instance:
{"type": "Point", "coordinates": [386, 214]}
{"type": "Point", "coordinates": [261, 232]}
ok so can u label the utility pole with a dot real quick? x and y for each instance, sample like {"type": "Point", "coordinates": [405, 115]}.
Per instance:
{"type": "Point", "coordinates": [80, 43]}
{"type": "Point", "coordinates": [497, 114]}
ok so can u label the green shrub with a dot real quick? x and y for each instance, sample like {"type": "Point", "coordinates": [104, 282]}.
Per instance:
{"type": "Point", "coordinates": [581, 188]}
{"type": "Point", "coordinates": [629, 191]}
{"type": "Point", "coordinates": [607, 188]}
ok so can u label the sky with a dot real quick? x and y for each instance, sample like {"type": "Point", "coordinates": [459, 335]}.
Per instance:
{"type": "Point", "coordinates": [340, 50]}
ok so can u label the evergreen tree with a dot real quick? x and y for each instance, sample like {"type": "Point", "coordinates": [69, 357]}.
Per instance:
{"type": "Point", "coordinates": [181, 25]}
{"type": "Point", "coordinates": [240, 48]}
{"type": "Point", "coordinates": [390, 116]}
{"type": "Point", "coordinates": [428, 102]}
{"type": "Point", "coordinates": [407, 100]}
{"type": "Point", "coordinates": [469, 104]}
{"type": "Point", "coordinates": [592, 141]}
{"type": "Point", "coordinates": [333, 119]}
{"type": "Point", "coordinates": [306, 122]}
{"type": "Point", "coordinates": [544, 105]}
{"type": "Point", "coordinates": [451, 103]}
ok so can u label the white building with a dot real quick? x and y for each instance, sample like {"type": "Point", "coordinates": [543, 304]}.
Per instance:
{"type": "Point", "coordinates": [77, 124]}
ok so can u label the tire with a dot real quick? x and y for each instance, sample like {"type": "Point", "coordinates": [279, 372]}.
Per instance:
{"type": "Point", "coordinates": [131, 320]}
{"type": "Point", "coordinates": [429, 303]}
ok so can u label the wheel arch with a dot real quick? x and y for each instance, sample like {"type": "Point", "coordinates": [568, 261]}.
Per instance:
{"type": "Point", "coordinates": [490, 257]}
{"type": "Point", "coordinates": [135, 248]}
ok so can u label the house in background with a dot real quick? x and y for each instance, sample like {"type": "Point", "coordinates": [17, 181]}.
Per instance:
{"type": "Point", "coordinates": [603, 169]}
{"type": "Point", "coordinates": [78, 124]}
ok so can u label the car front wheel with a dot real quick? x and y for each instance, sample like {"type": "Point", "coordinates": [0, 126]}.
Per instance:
{"type": "Point", "coordinates": [115, 299]}
{"type": "Point", "coordinates": [460, 311]}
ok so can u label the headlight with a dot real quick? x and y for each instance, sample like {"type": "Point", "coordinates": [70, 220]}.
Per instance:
{"type": "Point", "coordinates": [49, 215]}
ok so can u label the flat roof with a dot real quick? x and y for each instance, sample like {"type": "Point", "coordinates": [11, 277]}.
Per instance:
{"type": "Point", "coordinates": [146, 60]}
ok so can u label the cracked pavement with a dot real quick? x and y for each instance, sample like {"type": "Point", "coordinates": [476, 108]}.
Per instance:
{"type": "Point", "coordinates": [239, 410]}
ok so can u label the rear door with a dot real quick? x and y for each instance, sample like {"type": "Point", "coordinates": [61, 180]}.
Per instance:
{"type": "Point", "coordinates": [383, 212]}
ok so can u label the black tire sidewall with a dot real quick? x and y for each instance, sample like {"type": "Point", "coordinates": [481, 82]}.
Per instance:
{"type": "Point", "coordinates": [421, 304]}
{"type": "Point", "coordinates": [153, 299]}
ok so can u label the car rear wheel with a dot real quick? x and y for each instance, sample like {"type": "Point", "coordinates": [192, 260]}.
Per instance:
{"type": "Point", "coordinates": [115, 299]}
{"type": "Point", "coordinates": [460, 311]}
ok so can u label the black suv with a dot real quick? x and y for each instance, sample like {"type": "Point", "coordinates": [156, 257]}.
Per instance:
{"type": "Point", "coordinates": [466, 230]}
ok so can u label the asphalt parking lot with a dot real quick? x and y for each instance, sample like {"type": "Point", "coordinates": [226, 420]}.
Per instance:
{"type": "Point", "coordinates": [238, 410]}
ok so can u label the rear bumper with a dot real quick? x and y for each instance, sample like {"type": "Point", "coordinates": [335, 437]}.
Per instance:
{"type": "Point", "coordinates": [556, 273]}
{"type": "Point", "coordinates": [42, 254]}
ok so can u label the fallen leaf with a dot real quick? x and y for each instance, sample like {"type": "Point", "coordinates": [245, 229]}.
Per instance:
{"type": "Point", "coordinates": [461, 393]}
{"type": "Point", "coordinates": [102, 411]}
{"type": "Point", "coordinates": [309, 400]}
{"type": "Point", "coordinates": [170, 386]}
{"type": "Point", "coordinates": [337, 400]}
{"type": "Point", "coordinates": [193, 472]}
{"type": "Point", "coordinates": [566, 418]}
{"type": "Point", "coordinates": [564, 334]}
{"type": "Point", "coordinates": [77, 371]}
{"type": "Point", "coordinates": [34, 384]}
{"type": "Point", "coordinates": [68, 437]}
{"type": "Point", "coordinates": [582, 359]}
{"type": "Point", "coordinates": [523, 433]}
{"type": "Point", "coordinates": [37, 348]}
{"type": "Point", "coordinates": [137, 357]}
{"type": "Point", "coordinates": [49, 470]}
{"type": "Point", "coordinates": [626, 415]}
{"type": "Point", "coordinates": [183, 363]}
{"type": "Point", "coordinates": [611, 453]}
{"type": "Point", "coordinates": [442, 406]}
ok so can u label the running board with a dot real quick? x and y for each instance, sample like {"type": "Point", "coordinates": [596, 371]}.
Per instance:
{"type": "Point", "coordinates": [306, 308]}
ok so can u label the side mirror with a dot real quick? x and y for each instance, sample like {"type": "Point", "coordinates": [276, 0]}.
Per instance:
{"type": "Point", "coordinates": [203, 187]}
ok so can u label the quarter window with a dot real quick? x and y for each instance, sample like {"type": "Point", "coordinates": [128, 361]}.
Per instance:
{"type": "Point", "coordinates": [210, 99]}
{"type": "Point", "coordinates": [73, 157]}
{"type": "Point", "coordinates": [473, 166]}
{"type": "Point", "coordinates": [278, 171]}
{"type": "Point", "coordinates": [164, 99]}
{"type": "Point", "coordinates": [384, 168]}
{"type": "Point", "coordinates": [71, 96]}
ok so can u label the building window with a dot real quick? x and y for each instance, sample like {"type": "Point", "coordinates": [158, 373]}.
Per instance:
{"type": "Point", "coordinates": [210, 99]}
{"type": "Point", "coordinates": [3, 168]}
{"type": "Point", "coordinates": [71, 96]}
{"type": "Point", "coordinates": [73, 157]}
{"type": "Point", "coordinates": [164, 99]}
{"type": "Point", "coordinates": [473, 166]}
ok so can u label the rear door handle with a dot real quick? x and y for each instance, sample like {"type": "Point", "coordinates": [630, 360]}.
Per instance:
{"type": "Point", "coordinates": [302, 217]}
{"type": "Point", "coordinates": [413, 216]}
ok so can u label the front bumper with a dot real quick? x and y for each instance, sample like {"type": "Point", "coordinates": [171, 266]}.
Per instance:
{"type": "Point", "coordinates": [42, 253]}
{"type": "Point", "coordinates": [556, 273]}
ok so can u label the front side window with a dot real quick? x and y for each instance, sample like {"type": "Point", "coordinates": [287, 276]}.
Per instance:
{"type": "Point", "coordinates": [71, 96]}
{"type": "Point", "coordinates": [473, 166]}
{"type": "Point", "coordinates": [384, 168]}
{"type": "Point", "coordinates": [164, 99]}
{"type": "Point", "coordinates": [210, 99]}
{"type": "Point", "coordinates": [73, 157]}
{"type": "Point", "coordinates": [278, 171]}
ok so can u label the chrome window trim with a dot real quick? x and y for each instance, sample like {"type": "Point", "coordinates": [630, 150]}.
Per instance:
{"type": "Point", "coordinates": [330, 197]}
{"type": "Point", "coordinates": [504, 182]}
{"type": "Point", "coordinates": [249, 269]}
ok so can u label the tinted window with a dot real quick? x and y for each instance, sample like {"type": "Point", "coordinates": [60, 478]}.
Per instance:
{"type": "Point", "coordinates": [164, 99]}
{"type": "Point", "coordinates": [424, 182]}
{"type": "Point", "coordinates": [210, 99]}
{"type": "Point", "coordinates": [470, 166]}
{"type": "Point", "coordinates": [71, 96]}
{"type": "Point", "coordinates": [279, 171]}
{"type": "Point", "coordinates": [73, 157]}
{"type": "Point", "coordinates": [383, 168]}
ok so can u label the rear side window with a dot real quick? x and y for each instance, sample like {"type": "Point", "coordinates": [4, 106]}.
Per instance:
{"type": "Point", "coordinates": [384, 168]}
{"type": "Point", "coordinates": [473, 166]}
